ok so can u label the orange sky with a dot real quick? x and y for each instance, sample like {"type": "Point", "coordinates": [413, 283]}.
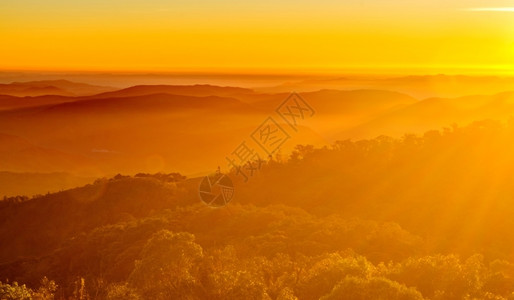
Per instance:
{"type": "Point", "coordinates": [158, 35]}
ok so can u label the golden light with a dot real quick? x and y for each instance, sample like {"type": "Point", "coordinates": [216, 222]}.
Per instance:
{"type": "Point", "coordinates": [499, 9]}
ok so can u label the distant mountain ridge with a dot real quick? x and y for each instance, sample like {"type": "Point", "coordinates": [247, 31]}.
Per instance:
{"type": "Point", "coordinates": [419, 86]}
{"type": "Point", "coordinates": [20, 155]}
{"type": "Point", "coordinates": [51, 87]}
{"type": "Point", "coordinates": [435, 113]}
{"type": "Point", "coordinates": [191, 128]}
{"type": "Point", "coordinates": [198, 90]}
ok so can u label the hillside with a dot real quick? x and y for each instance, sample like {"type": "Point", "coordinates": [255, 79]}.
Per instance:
{"type": "Point", "coordinates": [12, 102]}
{"type": "Point", "coordinates": [419, 86]}
{"type": "Point", "coordinates": [30, 184]}
{"type": "Point", "coordinates": [324, 222]}
{"type": "Point", "coordinates": [197, 90]}
{"type": "Point", "coordinates": [96, 127]}
{"type": "Point", "coordinates": [435, 113]}
{"type": "Point", "coordinates": [19, 155]}
{"type": "Point", "coordinates": [51, 87]}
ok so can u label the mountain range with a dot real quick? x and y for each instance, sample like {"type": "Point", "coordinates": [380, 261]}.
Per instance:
{"type": "Point", "coordinates": [94, 131]}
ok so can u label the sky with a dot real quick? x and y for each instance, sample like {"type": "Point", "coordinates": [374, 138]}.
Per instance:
{"type": "Point", "coordinates": [257, 35]}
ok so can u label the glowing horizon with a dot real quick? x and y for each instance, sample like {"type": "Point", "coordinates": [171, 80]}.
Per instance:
{"type": "Point", "coordinates": [266, 36]}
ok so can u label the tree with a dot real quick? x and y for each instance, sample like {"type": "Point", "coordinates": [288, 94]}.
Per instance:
{"type": "Point", "coordinates": [168, 266]}
{"type": "Point", "coordinates": [122, 292]}
{"type": "Point", "coordinates": [46, 290]}
{"type": "Point", "coordinates": [375, 288]}
{"type": "Point", "coordinates": [14, 291]}
{"type": "Point", "coordinates": [329, 270]}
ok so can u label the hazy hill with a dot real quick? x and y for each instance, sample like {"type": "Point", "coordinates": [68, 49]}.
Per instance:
{"type": "Point", "coordinates": [30, 184]}
{"type": "Point", "coordinates": [51, 87]}
{"type": "Point", "coordinates": [337, 101]}
{"type": "Point", "coordinates": [197, 90]}
{"type": "Point", "coordinates": [193, 134]}
{"type": "Point", "coordinates": [22, 90]}
{"type": "Point", "coordinates": [19, 155]}
{"type": "Point", "coordinates": [168, 128]}
{"type": "Point", "coordinates": [336, 110]}
{"type": "Point", "coordinates": [157, 102]}
{"type": "Point", "coordinates": [417, 86]}
{"type": "Point", "coordinates": [13, 102]}
{"type": "Point", "coordinates": [435, 113]}
{"type": "Point", "coordinates": [155, 132]}
{"type": "Point", "coordinates": [10, 101]}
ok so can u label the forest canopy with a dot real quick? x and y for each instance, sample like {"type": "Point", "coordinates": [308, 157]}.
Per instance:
{"type": "Point", "coordinates": [371, 219]}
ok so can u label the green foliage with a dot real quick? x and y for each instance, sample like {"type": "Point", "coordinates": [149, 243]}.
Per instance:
{"type": "Point", "coordinates": [46, 290]}
{"type": "Point", "coordinates": [376, 288]}
{"type": "Point", "coordinates": [14, 291]}
{"type": "Point", "coordinates": [172, 177]}
{"type": "Point", "coordinates": [353, 221]}
{"type": "Point", "coordinates": [327, 271]}
{"type": "Point", "coordinates": [122, 292]}
{"type": "Point", "coordinates": [80, 292]}
{"type": "Point", "coordinates": [168, 267]}
{"type": "Point", "coordinates": [441, 276]}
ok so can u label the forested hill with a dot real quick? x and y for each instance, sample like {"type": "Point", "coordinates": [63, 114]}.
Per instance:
{"type": "Point", "coordinates": [352, 221]}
